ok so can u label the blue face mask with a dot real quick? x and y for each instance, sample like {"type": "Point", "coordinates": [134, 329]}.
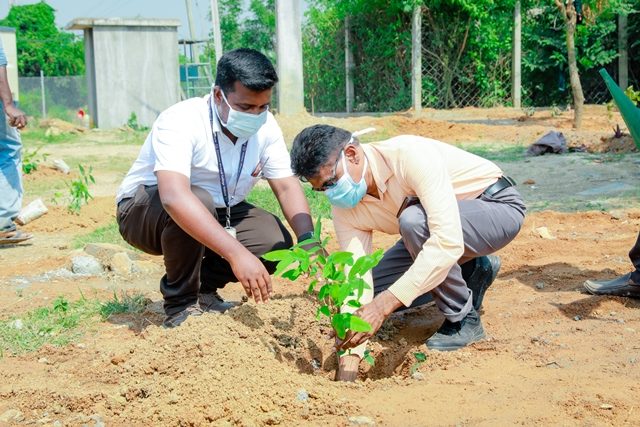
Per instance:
{"type": "Point", "coordinates": [347, 193]}
{"type": "Point", "coordinates": [242, 125]}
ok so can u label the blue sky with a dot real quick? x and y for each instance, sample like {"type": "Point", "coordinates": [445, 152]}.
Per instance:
{"type": "Point", "coordinates": [67, 10]}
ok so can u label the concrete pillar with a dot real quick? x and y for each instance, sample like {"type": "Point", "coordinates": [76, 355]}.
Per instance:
{"type": "Point", "coordinates": [348, 65]}
{"type": "Point", "coordinates": [516, 58]}
{"type": "Point", "coordinates": [416, 59]}
{"type": "Point", "coordinates": [289, 56]}
{"type": "Point", "coordinates": [623, 52]}
{"type": "Point", "coordinates": [217, 35]}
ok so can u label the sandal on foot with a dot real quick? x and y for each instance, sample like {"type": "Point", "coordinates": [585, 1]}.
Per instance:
{"type": "Point", "coordinates": [14, 236]}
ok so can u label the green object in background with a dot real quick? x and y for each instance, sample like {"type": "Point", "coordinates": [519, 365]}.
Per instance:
{"type": "Point", "coordinates": [630, 113]}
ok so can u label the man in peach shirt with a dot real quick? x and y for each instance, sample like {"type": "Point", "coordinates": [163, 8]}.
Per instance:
{"type": "Point", "coordinates": [449, 207]}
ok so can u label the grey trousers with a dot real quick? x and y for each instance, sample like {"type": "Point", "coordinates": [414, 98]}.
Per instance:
{"type": "Point", "coordinates": [488, 224]}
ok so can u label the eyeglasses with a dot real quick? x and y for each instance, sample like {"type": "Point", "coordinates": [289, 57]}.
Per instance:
{"type": "Point", "coordinates": [331, 182]}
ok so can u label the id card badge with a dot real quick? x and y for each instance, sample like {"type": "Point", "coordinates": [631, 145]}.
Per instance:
{"type": "Point", "coordinates": [231, 231]}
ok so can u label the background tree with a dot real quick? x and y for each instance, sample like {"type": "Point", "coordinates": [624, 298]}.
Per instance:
{"type": "Point", "coordinates": [41, 45]}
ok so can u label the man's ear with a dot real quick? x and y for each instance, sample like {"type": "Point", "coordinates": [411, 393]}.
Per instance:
{"type": "Point", "coordinates": [352, 154]}
{"type": "Point", "coordinates": [217, 94]}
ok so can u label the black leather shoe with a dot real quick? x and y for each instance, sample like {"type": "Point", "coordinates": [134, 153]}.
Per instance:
{"type": "Point", "coordinates": [176, 319]}
{"type": "Point", "coordinates": [213, 303]}
{"type": "Point", "coordinates": [621, 286]}
{"type": "Point", "coordinates": [455, 335]}
{"type": "Point", "coordinates": [484, 272]}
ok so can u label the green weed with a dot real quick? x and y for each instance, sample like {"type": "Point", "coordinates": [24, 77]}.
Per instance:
{"type": "Point", "coordinates": [106, 234]}
{"type": "Point", "coordinates": [31, 159]}
{"type": "Point", "coordinates": [263, 197]}
{"type": "Point", "coordinates": [58, 324]}
{"type": "Point", "coordinates": [79, 189]}
{"type": "Point", "coordinates": [496, 153]}
{"type": "Point", "coordinates": [134, 303]}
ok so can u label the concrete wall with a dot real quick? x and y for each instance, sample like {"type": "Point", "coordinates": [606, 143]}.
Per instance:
{"type": "Point", "coordinates": [132, 67]}
{"type": "Point", "coordinates": [8, 36]}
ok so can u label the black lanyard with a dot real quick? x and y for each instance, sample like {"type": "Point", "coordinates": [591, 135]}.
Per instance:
{"type": "Point", "coordinates": [223, 178]}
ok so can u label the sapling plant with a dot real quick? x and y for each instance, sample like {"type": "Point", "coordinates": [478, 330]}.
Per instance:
{"type": "Point", "coordinates": [337, 279]}
{"type": "Point", "coordinates": [79, 189]}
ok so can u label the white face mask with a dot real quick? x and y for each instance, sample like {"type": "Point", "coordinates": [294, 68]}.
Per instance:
{"type": "Point", "coordinates": [242, 125]}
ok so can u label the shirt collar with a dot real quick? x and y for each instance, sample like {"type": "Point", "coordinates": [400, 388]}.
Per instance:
{"type": "Point", "coordinates": [379, 169]}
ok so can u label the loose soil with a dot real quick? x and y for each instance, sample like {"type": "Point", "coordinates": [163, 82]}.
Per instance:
{"type": "Point", "coordinates": [553, 355]}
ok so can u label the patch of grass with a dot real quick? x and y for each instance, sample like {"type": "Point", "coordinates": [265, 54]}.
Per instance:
{"type": "Point", "coordinates": [38, 136]}
{"type": "Point", "coordinates": [106, 234]}
{"type": "Point", "coordinates": [62, 322]}
{"type": "Point", "coordinates": [495, 152]}
{"type": "Point", "coordinates": [263, 197]}
{"type": "Point", "coordinates": [58, 324]}
{"type": "Point", "coordinates": [127, 303]}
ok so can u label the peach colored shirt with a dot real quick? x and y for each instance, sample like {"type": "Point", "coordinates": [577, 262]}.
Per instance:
{"type": "Point", "coordinates": [437, 173]}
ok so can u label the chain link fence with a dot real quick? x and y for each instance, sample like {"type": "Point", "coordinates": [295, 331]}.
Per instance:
{"type": "Point", "coordinates": [53, 97]}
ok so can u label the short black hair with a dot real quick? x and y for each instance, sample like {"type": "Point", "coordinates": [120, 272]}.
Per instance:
{"type": "Point", "coordinates": [313, 147]}
{"type": "Point", "coordinates": [247, 66]}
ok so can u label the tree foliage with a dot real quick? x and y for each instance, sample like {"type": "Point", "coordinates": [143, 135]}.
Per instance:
{"type": "Point", "coordinates": [41, 45]}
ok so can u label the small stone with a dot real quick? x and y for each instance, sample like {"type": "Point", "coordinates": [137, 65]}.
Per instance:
{"type": "Point", "coordinates": [81, 345]}
{"type": "Point", "coordinates": [578, 317]}
{"type": "Point", "coordinates": [43, 360]}
{"type": "Point", "coordinates": [613, 313]}
{"type": "Point", "coordinates": [17, 324]}
{"type": "Point", "coordinates": [418, 376]}
{"type": "Point", "coordinates": [620, 320]}
{"type": "Point", "coordinates": [173, 399]}
{"type": "Point", "coordinates": [529, 182]}
{"type": "Point", "coordinates": [361, 420]}
{"type": "Point", "coordinates": [606, 406]}
{"type": "Point", "coordinates": [545, 233]}
{"type": "Point", "coordinates": [540, 285]}
{"type": "Point", "coordinates": [57, 423]}
{"type": "Point", "coordinates": [121, 264]}
{"type": "Point", "coordinates": [86, 266]}
{"type": "Point", "coordinates": [302, 395]}
{"type": "Point", "coordinates": [98, 420]}
{"type": "Point", "coordinates": [315, 363]}
{"type": "Point", "coordinates": [11, 416]}
{"type": "Point", "coordinates": [633, 360]}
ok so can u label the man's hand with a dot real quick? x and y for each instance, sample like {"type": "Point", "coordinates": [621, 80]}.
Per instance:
{"type": "Point", "coordinates": [375, 313]}
{"type": "Point", "coordinates": [253, 276]}
{"type": "Point", "coordinates": [17, 117]}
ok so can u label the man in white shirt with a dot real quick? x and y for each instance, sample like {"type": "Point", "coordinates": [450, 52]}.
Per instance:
{"type": "Point", "coordinates": [183, 198]}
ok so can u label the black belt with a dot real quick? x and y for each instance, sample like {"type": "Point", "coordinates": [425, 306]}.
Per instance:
{"type": "Point", "coordinates": [502, 183]}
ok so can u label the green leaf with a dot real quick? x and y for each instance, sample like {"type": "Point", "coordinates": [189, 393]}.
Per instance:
{"type": "Point", "coordinates": [420, 357]}
{"type": "Point", "coordinates": [354, 303]}
{"type": "Point", "coordinates": [311, 286]}
{"type": "Point", "coordinates": [323, 309]}
{"type": "Point", "coordinates": [278, 255]}
{"type": "Point", "coordinates": [344, 258]}
{"type": "Point", "coordinates": [339, 323]}
{"type": "Point", "coordinates": [328, 271]}
{"type": "Point", "coordinates": [324, 291]}
{"type": "Point", "coordinates": [369, 358]}
{"type": "Point", "coordinates": [357, 324]}
{"type": "Point", "coordinates": [282, 266]}
{"type": "Point", "coordinates": [317, 229]}
{"type": "Point", "coordinates": [292, 274]}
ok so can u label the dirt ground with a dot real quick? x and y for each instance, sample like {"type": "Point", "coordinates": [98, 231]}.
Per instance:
{"type": "Point", "coordinates": [553, 355]}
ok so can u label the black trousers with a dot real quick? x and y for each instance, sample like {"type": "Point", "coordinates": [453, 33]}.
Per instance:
{"type": "Point", "coordinates": [634, 255]}
{"type": "Point", "coordinates": [190, 266]}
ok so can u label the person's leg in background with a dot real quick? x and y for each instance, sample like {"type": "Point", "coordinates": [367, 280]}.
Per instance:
{"type": "Point", "coordinates": [627, 285]}
{"type": "Point", "coordinates": [10, 182]}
